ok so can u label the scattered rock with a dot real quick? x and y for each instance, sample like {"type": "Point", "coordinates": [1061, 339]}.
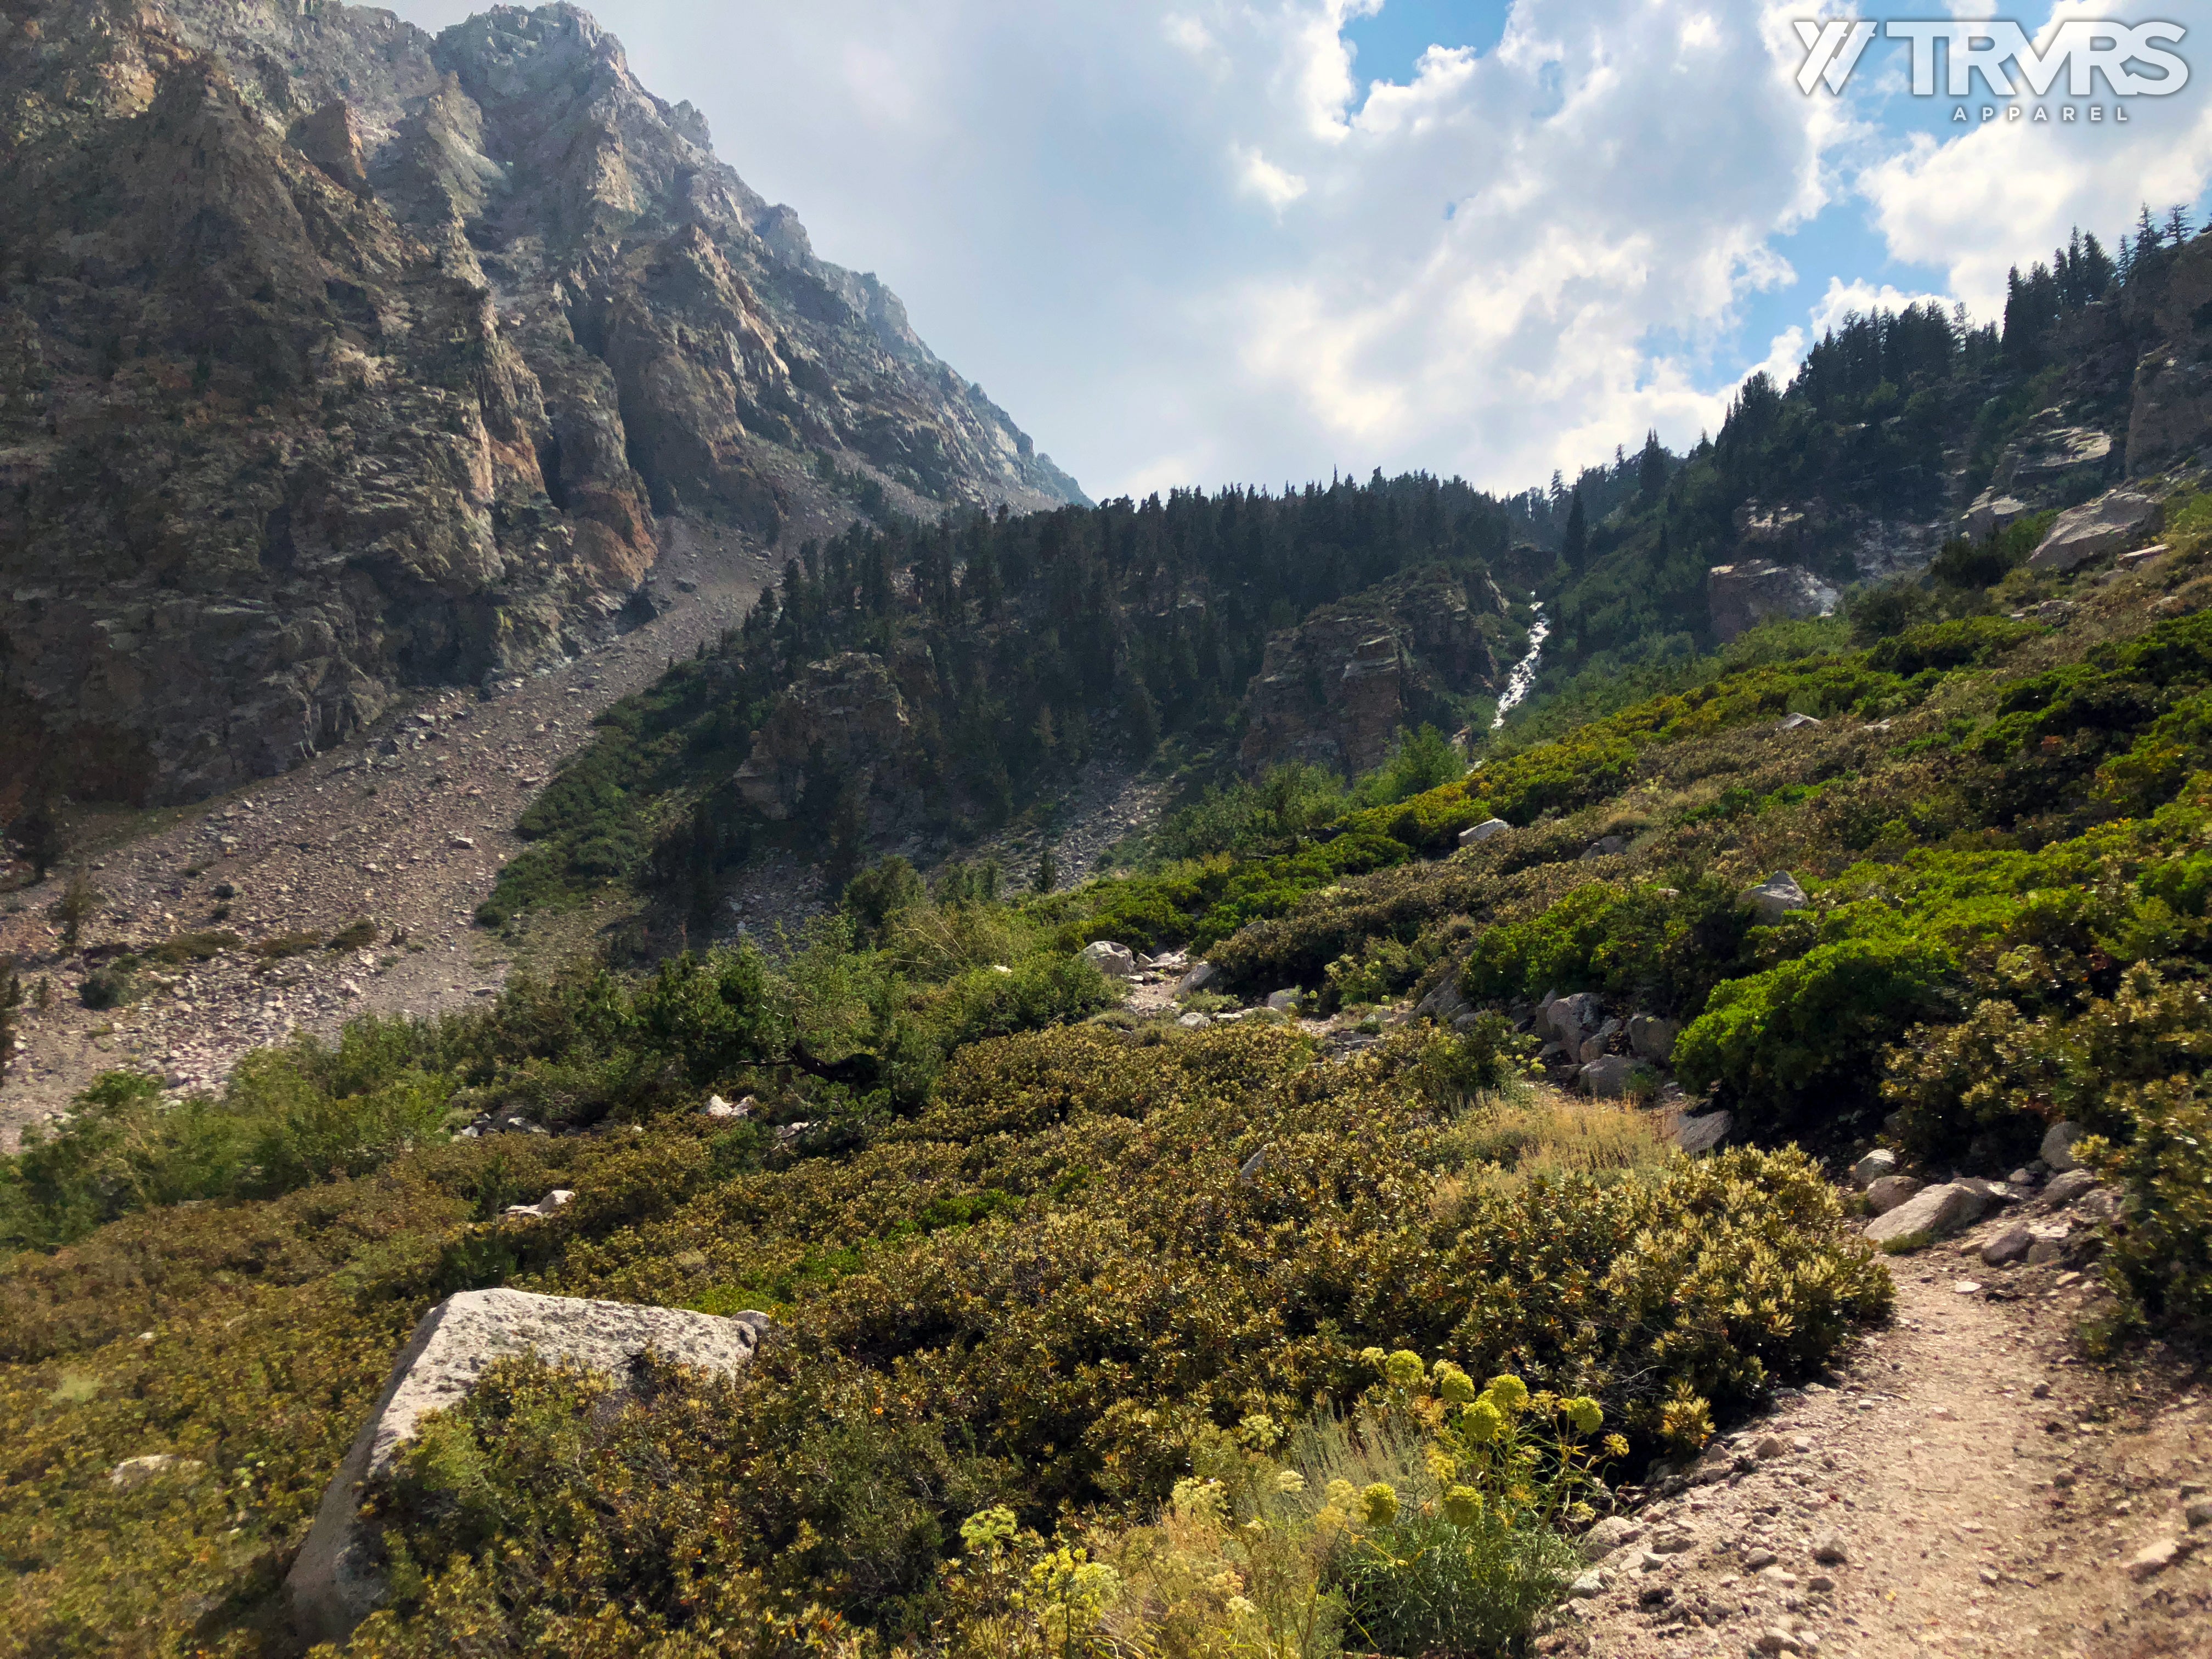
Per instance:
{"type": "Point", "coordinates": [2198, 1513]}
{"type": "Point", "coordinates": [133, 1472]}
{"type": "Point", "coordinates": [1606, 846]}
{"type": "Point", "coordinates": [1777, 1640]}
{"type": "Point", "coordinates": [1571, 1019]}
{"type": "Point", "coordinates": [2009, 1246]}
{"type": "Point", "coordinates": [1652, 1038]}
{"type": "Point", "coordinates": [2156, 1557]}
{"type": "Point", "coordinates": [1938, 1212]}
{"type": "Point", "coordinates": [1114, 961]}
{"type": "Point", "coordinates": [1199, 978]}
{"type": "Point", "coordinates": [1249, 1173]}
{"type": "Point", "coordinates": [559, 1198]}
{"type": "Point", "coordinates": [1776, 898]}
{"type": "Point", "coordinates": [1757, 1560]}
{"type": "Point", "coordinates": [716, 1107]}
{"type": "Point", "coordinates": [1700, 1135]}
{"type": "Point", "coordinates": [1609, 1076]}
{"type": "Point", "coordinates": [2058, 1147]}
{"type": "Point", "coordinates": [1873, 1167]}
{"type": "Point", "coordinates": [1672, 1540]}
{"type": "Point", "coordinates": [1195, 1022]}
{"type": "Point", "coordinates": [1886, 1193]}
{"type": "Point", "coordinates": [1614, 1532]}
{"type": "Point", "coordinates": [1797, 723]}
{"type": "Point", "coordinates": [1591, 1585]}
{"type": "Point", "coordinates": [1446, 1003]}
{"type": "Point", "coordinates": [335, 1583]}
{"type": "Point", "coordinates": [1770, 1446]}
{"type": "Point", "coordinates": [1284, 1002]}
{"type": "Point", "coordinates": [2068, 1187]}
{"type": "Point", "coordinates": [461, 843]}
{"type": "Point", "coordinates": [1490, 829]}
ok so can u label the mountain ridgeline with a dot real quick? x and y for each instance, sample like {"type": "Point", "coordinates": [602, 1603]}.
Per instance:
{"type": "Point", "coordinates": [338, 358]}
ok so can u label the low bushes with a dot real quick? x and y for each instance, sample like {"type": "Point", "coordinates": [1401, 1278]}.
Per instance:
{"type": "Point", "coordinates": [1047, 1290]}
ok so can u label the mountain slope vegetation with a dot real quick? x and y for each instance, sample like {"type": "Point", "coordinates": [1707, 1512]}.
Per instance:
{"type": "Point", "coordinates": [1302, 1309]}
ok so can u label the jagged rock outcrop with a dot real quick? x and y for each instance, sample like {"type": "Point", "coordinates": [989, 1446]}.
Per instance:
{"type": "Point", "coordinates": [842, 724]}
{"type": "Point", "coordinates": [335, 357]}
{"type": "Point", "coordinates": [1742, 596]}
{"type": "Point", "coordinates": [2170, 420]}
{"type": "Point", "coordinates": [1335, 690]}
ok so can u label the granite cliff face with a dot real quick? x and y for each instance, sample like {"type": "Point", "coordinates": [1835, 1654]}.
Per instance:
{"type": "Point", "coordinates": [1334, 690]}
{"type": "Point", "coordinates": [334, 357]}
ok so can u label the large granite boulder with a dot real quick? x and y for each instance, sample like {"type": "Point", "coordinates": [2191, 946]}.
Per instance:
{"type": "Point", "coordinates": [2111, 523]}
{"type": "Point", "coordinates": [334, 1583]}
{"type": "Point", "coordinates": [1743, 596]}
{"type": "Point", "coordinates": [1935, 1213]}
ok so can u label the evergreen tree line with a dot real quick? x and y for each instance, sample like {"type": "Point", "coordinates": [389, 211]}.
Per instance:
{"type": "Point", "coordinates": [1867, 423]}
{"type": "Point", "coordinates": [1023, 646]}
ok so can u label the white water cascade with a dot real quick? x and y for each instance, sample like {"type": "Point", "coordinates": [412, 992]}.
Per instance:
{"type": "Point", "coordinates": [1523, 679]}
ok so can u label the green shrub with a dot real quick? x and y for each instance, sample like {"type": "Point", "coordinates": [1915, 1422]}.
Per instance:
{"type": "Point", "coordinates": [185, 948]}
{"type": "Point", "coordinates": [1797, 1047]}
{"type": "Point", "coordinates": [115, 985]}
{"type": "Point", "coordinates": [277, 1127]}
{"type": "Point", "coordinates": [2161, 1253]}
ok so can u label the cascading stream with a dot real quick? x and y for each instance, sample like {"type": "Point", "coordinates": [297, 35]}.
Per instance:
{"type": "Point", "coordinates": [1523, 680]}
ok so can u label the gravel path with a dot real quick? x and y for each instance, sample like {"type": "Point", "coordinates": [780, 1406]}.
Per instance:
{"type": "Point", "coordinates": [406, 828]}
{"type": "Point", "coordinates": [1970, 1484]}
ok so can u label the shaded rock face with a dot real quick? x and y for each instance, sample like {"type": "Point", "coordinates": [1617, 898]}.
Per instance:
{"type": "Point", "coordinates": [844, 722]}
{"type": "Point", "coordinates": [338, 358]}
{"type": "Point", "coordinates": [1335, 690]}
{"type": "Point", "coordinates": [1742, 596]}
{"type": "Point", "coordinates": [2171, 418]}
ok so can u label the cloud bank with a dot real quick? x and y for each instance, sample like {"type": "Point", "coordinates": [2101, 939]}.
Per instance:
{"type": "Point", "coordinates": [1200, 242]}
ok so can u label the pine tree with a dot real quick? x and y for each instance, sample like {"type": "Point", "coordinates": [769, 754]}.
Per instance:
{"type": "Point", "coordinates": [2177, 225]}
{"type": "Point", "coordinates": [40, 836]}
{"type": "Point", "coordinates": [1576, 548]}
{"type": "Point", "coordinates": [75, 907]}
{"type": "Point", "coordinates": [11, 999]}
{"type": "Point", "coordinates": [1651, 467]}
{"type": "Point", "coordinates": [1047, 872]}
{"type": "Point", "coordinates": [2147, 236]}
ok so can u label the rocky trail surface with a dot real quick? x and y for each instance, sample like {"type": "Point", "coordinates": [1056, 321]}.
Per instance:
{"type": "Point", "coordinates": [1970, 1484]}
{"type": "Point", "coordinates": [405, 830]}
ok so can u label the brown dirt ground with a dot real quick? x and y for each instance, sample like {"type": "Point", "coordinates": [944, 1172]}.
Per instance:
{"type": "Point", "coordinates": [1989, 1484]}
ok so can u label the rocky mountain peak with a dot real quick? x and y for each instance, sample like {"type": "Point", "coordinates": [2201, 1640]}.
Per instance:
{"type": "Point", "coordinates": [337, 357]}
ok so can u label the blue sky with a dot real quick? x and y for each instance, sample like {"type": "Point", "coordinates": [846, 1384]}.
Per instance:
{"type": "Point", "coordinates": [1207, 241]}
